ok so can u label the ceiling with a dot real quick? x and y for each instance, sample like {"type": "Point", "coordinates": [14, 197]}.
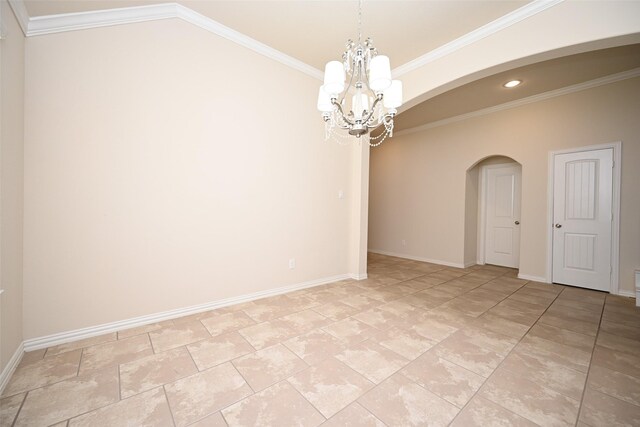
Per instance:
{"type": "Point", "coordinates": [536, 79]}
{"type": "Point", "coordinates": [314, 31]}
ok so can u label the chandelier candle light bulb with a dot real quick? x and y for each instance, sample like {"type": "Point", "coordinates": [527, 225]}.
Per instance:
{"type": "Point", "coordinates": [360, 104]}
{"type": "Point", "coordinates": [393, 95]}
{"type": "Point", "coordinates": [380, 73]}
{"type": "Point", "coordinates": [324, 101]}
{"type": "Point", "coordinates": [376, 97]}
{"type": "Point", "coordinates": [334, 78]}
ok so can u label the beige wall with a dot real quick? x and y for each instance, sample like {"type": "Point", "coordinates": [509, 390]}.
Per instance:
{"type": "Point", "coordinates": [417, 181]}
{"type": "Point", "coordinates": [167, 167]}
{"type": "Point", "coordinates": [359, 215]}
{"type": "Point", "coordinates": [11, 170]}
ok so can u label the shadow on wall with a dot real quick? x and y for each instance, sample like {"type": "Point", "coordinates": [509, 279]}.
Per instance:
{"type": "Point", "coordinates": [472, 205]}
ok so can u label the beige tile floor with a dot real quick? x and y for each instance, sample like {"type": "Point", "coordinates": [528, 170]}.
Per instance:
{"type": "Point", "coordinates": [415, 344]}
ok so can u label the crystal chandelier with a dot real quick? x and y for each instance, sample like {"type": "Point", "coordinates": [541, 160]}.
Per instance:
{"type": "Point", "coordinates": [375, 97]}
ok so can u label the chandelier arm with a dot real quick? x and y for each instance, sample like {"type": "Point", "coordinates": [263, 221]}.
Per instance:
{"type": "Point", "coordinates": [342, 126]}
{"type": "Point", "coordinates": [335, 102]}
{"type": "Point", "coordinates": [386, 119]}
{"type": "Point", "coordinates": [347, 89]}
{"type": "Point", "coordinates": [373, 109]}
{"type": "Point", "coordinates": [366, 80]}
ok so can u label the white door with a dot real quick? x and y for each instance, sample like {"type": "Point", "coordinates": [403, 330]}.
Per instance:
{"type": "Point", "coordinates": [502, 224]}
{"type": "Point", "coordinates": [582, 218]}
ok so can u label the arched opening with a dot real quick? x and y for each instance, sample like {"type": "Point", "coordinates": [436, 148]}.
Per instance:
{"type": "Point", "coordinates": [492, 212]}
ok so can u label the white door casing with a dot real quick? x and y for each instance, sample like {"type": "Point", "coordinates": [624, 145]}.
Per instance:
{"type": "Point", "coordinates": [582, 219]}
{"type": "Point", "coordinates": [502, 214]}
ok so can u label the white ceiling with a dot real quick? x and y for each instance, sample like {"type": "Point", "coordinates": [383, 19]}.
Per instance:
{"type": "Point", "coordinates": [536, 79]}
{"type": "Point", "coordinates": [315, 31]}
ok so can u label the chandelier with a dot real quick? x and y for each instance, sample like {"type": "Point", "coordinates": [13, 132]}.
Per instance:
{"type": "Point", "coordinates": [375, 96]}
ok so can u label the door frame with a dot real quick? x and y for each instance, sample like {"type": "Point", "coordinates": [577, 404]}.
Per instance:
{"type": "Point", "coordinates": [615, 209]}
{"type": "Point", "coordinates": [482, 207]}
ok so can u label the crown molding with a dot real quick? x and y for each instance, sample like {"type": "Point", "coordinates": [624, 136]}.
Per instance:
{"type": "Point", "coordinates": [215, 27]}
{"type": "Point", "coordinates": [478, 34]}
{"type": "Point", "coordinates": [21, 14]}
{"type": "Point", "coordinates": [50, 24]}
{"type": "Point", "coordinates": [612, 78]}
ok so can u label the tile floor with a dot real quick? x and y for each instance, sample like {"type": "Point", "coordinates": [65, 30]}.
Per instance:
{"type": "Point", "coordinates": [415, 344]}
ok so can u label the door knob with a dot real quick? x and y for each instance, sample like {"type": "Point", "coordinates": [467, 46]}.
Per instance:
{"type": "Point", "coordinates": [558, 225]}
{"type": "Point", "coordinates": [517, 222]}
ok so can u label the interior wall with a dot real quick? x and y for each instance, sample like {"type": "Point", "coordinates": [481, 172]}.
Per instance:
{"type": "Point", "coordinates": [359, 215]}
{"type": "Point", "coordinates": [11, 176]}
{"type": "Point", "coordinates": [167, 167]}
{"type": "Point", "coordinates": [471, 210]}
{"type": "Point", "coordinates": [417, 180]}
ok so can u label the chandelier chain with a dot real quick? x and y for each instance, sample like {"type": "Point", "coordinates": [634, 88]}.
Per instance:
{"type": "Point", "coordinates": [359, 21]}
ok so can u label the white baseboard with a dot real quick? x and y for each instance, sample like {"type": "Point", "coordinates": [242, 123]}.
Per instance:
{"type": "Point", "coordinates": [11, 367]}
{"type": "Point", "coordinates": [92, 331]}
{"type": "Point", "coordinates": [532, 278]}
{"type": "Point", "coordinates": [544, 280]}
{"type": "Point", "coordinates": [356, 276]}
{"type": "Point", "coordinates": [415, 258]}
{"type": "Point", "coordinates": [629, 294]}
{"type": "Point", "coordinates": [637, 295]}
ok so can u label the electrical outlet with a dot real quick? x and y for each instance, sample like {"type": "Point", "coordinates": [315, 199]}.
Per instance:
{"type": "Point", "coordinates": [292, 263]}
{"type": "Point", "coordinates": [404, 242]}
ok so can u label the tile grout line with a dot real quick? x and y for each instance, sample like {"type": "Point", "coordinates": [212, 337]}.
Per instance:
{"type": "Point", "coordinates": [186, 348]}
{"type": "Point", "coordinates": [362, 292]}
{"type": "Point", "coordinates": [586, 380]}
{"type": "Point", "coordinates": [501, 362]}
{"type": "Point", "coordinates": [166, 398]}
{"type": "Point", "coordinates": [303, 396]}
{"type": "Point", "coordinates": [462, 367]}
{"type": "Point", "coordinates": [80, 363]}
{"type": "Point", "coordinates": [245, 380]}
{"type": "Point", "coordinates": [15, 419]}
{"type": "Point", "coordinates": [119, 383]}
{"type": "Point", "coordinates": [224, 418]}
{"type": "Point", "coordinates": [614, 397]}
{"type": "Point", "coordinates": [398, 371]}
{"type": "Point", "coordinates": [68, 420]}
{"type": "Point", "coordinates": [355, 402]}
{"type": "Point", "coordinates": [374, 385]}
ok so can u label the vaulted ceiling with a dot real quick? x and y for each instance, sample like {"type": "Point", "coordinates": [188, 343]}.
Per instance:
{"type": "Point", "coordinates": [538, 78]}
{"type": "Point", "coordinates": [315, 31]}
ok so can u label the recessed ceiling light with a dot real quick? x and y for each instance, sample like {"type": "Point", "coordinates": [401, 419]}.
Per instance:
{"type": "Point", "coordinates": [512, 83]}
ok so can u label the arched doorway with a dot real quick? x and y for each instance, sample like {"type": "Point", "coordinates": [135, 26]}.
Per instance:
{"type": "Point", "coordinates": [492, 212]}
